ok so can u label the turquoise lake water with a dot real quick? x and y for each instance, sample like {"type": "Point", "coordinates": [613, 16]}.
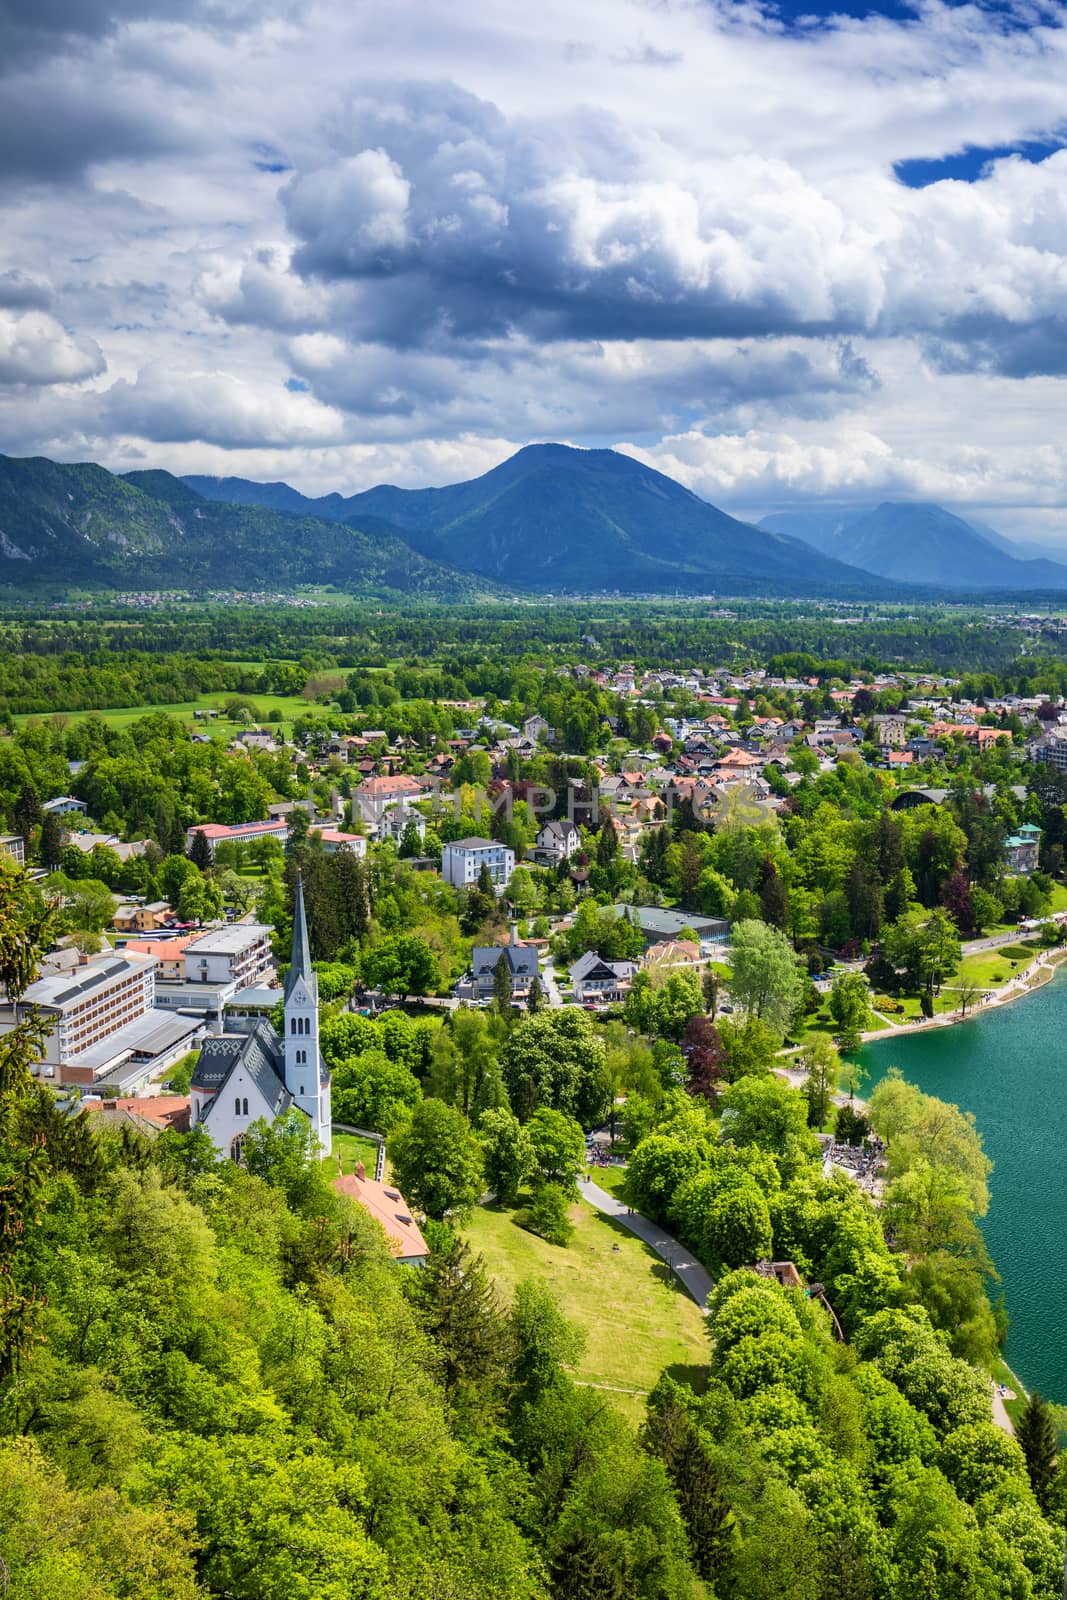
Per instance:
{"type": "Point", "coordinates": [1010, 1069]}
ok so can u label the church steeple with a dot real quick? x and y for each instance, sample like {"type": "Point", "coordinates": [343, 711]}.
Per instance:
{"type": "Point", "coordinates": [306, 1076]}
{"type": "Point", "coordinates": [300, 960]}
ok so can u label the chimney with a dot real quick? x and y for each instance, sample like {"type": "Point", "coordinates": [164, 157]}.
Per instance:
{"type": "Point", "coordinates": [513, 934]}
{"type": "Point", "coordinates": [361, 1171]}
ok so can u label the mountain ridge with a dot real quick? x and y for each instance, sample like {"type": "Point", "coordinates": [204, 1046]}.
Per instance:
{"type": "Point", "coordinates": [920, 542]}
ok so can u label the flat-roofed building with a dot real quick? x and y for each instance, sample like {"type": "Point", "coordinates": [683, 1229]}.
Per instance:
{"type": "Point", "coordinates": [13, 845]}
{"type": "Point", "coordinates": [216, 833]}
{"type": "Point", "coordinates": [240, 953]}
{"type": "Point", "coordinates": [463, 859]}
{"type": "Point", "coordinates": [105, 1024]}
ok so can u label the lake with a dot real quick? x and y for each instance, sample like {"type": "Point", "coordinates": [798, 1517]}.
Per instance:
{"type": "Point", "coordinates": [1009, 1068]}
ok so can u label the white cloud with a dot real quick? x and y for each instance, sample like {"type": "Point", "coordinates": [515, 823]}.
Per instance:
{"type": "Point", "coordinates": [35, 349]}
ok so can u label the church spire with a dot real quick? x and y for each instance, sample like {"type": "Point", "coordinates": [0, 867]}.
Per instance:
{"type": "Point", "coordinates": [300, 960]}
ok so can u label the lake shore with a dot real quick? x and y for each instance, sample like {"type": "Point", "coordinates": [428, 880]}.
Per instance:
{"type": "Point", "coordinates": [1040, 972]}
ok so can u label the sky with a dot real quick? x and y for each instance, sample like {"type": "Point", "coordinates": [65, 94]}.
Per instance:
{"type": "Point", "coordinates": [783, 253]}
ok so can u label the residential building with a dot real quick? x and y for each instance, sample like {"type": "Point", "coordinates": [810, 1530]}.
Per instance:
{"type": "Point", "coordinates": [395, 823]}
{"type": "Point", "coordinates": [13, 845]}
{"type": "Point", "coordinates": [890, 730]}
{"type": "Point", "coordinates": [377, 795]}
{"type": "Point", "coordinates": [463, 859]}
{"type": "Point", "coordinates": [134, 917]}
{"type": "Point", "coordinates": [243, 1076]}
{"type": "Point", "coordinates": [596, 981]}
{"type": "Point", "coordinates": [389, 1209]}
{"type": "Point", "coordinates": [333, 839]}
{"type": "Point", "coordinates": [559, 840]}
{"type": "Point", "coordinates": [240, 954]}
{"type": "Point", "coordinates": [168, 953]}
{"type": "Point", "coordinates": [106, 1027]}
{"type": "Point", "coordinates": [1021, 850]}
{"type": "Point", "coordinates": [1052, 749]}
{"type": "Point", "coordinates": [522, 962]}
{"type": "Point", "coordinates": [672, 953]}
{"type": "Point", "coordinates": [64, 804]}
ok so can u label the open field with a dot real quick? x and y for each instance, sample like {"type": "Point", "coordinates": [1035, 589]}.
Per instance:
{"type": "Point", "coordinates": [635, 1317]}
{"type": "Point", "coordinates": [290, 706]}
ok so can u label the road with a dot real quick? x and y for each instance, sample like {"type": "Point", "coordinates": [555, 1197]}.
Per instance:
{"type": "Point", "coordinates": [694, 1279]}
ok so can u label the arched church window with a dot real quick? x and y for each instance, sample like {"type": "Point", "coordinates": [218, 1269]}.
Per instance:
{"type": "Point", "coordinates": [237, 1106]}
{"type": "Point", "coordinates": [292, 1025]}
{"type": "Point", "coordinates": [244, 1108]}
{"type": "Point", "coordinates": [237, 1147]}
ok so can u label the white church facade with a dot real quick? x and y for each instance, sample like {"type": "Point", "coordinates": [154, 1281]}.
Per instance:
{"type": "Point", "coordinates": [244, 1076]}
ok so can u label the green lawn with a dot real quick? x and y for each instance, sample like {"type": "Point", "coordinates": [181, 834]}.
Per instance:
{"type": "Point", "coordinates": [290, 706]}
{"type": "Point", "coordinates": [610, 1178]}
{"type": "Point", "coordinates": [1002, 1373]}
{"type": "Point", "coordinates": [636, 1318]}
{"type": "Point", "coordinates": [351, 1149]}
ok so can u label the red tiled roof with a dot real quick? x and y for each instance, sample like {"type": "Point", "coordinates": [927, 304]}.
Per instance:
{"type": "Point", "coordinates": [388, 1208]}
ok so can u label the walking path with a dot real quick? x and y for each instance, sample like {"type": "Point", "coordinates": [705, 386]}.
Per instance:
{"type": "Point", "coordinates": [694, 1278]}
{"type": "Point", "coordinates": [1000, 1411]}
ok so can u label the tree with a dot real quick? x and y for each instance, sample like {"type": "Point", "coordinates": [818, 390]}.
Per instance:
{"type": "Point", "coordinates": [850, 1007]}
{"type": "Point", "coordinates": [709, 988]}
{"type": "Point", "coordinates": [437, 1161]}
{"type": "Point", "coordinates": [737, 1229]}
{"type": "Point", "coordinates": [402, 964]}
{"type": "Point", "coordinates": [1036, 1434]}
{"type": "Point", "coordinates": [200, 851]}
{"type": "Point", "coordinates": [547, 1214]}
{"type": "Point", "coordinates": [535, 1000]}
{"type": "Point", "coordinates": [507, 1152]}
{"type": "Point", "coordinates": [502, 984]}
{"type": "Point", "coordinates": [822, 1069]}
{"type": "Point", "coordinates": [50, 845]}
{"type": "Point", "coordinates": [557, 1059]}
{"type": "Point", "coordinates": [28, 813]}
{"type": "Point", "coordinates": [705, 1057]}
{"type": "Point", "coordinates": [766, 980]}
{"type": "Point", "coordinates": [764, 1112]}
{"type": "Point", "coordinates": [199, 900]}
{"type": "Point", "coordinates": [89, 905]}
{"type": "Point", "coordinates": [459, 1309]}
{"type": "Point", "coordinates": [558, 1145]}
{"type": "Point", "coordinates": [607, 848]}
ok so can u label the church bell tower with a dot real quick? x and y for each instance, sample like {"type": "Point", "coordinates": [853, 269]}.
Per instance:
{"type": "Point", "coordinates": [306, 1077]}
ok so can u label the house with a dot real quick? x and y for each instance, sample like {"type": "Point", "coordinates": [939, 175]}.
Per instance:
{"type": "Point", "coordinates": [106, 1027]}
{"type": "Point", "coordinates": [594, 980]}
{"type": "Point", "coordinates": [559, 840]}
{"type": "Point", "coordinates": [1021, 850]}
{"type": "Point", "coordinates": [63, 806]}
{"type": "Point", "coordinates": [389, 1209]}
{"type": "Point", "coordinates": [88, 842]}
{"type": "Point", "coordinates": [13, 845]}
{"type": "Point", "coordinates": [1052, 749]}
{"type": "Point", "coordinates": [463, 859]}
{"type": "Point", "coordinates": [375, 796]}
{"type": "Point", "coordinates": [890, 730]}
{"type": "Point", "coordinates": [672, 953]}
{"type": "Point", "coordinates": [521, 959]}
{"type": "Point", "coordinates": [132, 917]}
{"type": "Point", "coordinates": [168, 953]}
{"type": "Point", "coordinates": [239, 954]}
{"type": "Point", "coordinates": [396, 822]}
{"type": "Point", "coordinates": [243, 1076]}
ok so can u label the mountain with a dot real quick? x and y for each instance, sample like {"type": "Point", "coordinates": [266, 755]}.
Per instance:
{"type": "Point", "coordinates": [917, 542]}
{"type": "Point", "coordinates": [553, 518]}
{"type": "Point", "coordinates": [70, 526]}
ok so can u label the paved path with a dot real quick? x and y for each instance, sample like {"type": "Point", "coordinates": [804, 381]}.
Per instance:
{"type": "Point", "coordinates": [694, 1278]}
{"type": "Point", "coordinates": [1000, 1411]}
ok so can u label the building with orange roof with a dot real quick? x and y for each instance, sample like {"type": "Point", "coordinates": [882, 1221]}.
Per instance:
{"type": "Point", "coordinates": [389, 1209]}
{"type": "Point", "coordinates": [170, 953]}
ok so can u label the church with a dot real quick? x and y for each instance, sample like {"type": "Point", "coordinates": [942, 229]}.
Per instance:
{"type": "Point", "coordinates": [243, 1076]}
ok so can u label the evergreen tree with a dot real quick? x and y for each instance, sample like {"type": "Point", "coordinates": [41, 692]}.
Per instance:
{"type": "Point", "coordinates": [200, 851]}
{"type": "Point", "coordinates": [502, 985]}
{"type": "Point", "coordinates": [536, 998]}
{"type": "Point", "coordinates": [27, 811]}
{"type": "Point", "coordinates": [774, 897]}
{"type": "Point", "coordinates": [50, 845]}
{"type": "Point", "coordinates": [460, 1311]}
{"type": "Point", "coordinates": [485, 880]}
{"type": "Point", "coordinates": [607, 845]}
{"type": "Point", "coordinates": [1036, 1433]}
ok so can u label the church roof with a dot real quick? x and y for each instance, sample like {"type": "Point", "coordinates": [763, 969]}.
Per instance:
{"type": "Point", "coordinates": [300, 961]}
{"type": "Point", "coordinates": [258, 1053]}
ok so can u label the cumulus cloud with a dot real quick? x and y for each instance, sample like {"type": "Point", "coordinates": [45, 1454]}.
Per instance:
{"type": "Point", "coordinates": [36, 350]}
{"type": "Point", "coordinates": [176, 406]}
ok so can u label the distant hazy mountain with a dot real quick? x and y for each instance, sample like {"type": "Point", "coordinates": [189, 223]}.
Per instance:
{"type": "Point", "coordinates": [63, 526]}
{"type": "Point", "coordinates": [915, 542]}
{"type": "Point", "coordinates": [553, 518]}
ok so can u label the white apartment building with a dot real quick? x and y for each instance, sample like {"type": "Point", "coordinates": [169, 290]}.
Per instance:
{"type": "Point", "coordinates": [463, 859]}
{"type": "Point", "coordinates": [238, 954]}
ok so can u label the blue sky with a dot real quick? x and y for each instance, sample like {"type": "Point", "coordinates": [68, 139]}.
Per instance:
{"type": "Point", "coordinates": [781, 252]}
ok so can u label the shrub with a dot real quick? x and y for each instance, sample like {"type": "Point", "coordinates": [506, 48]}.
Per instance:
{"type": "Point", "coordinates": [547, 1215]}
